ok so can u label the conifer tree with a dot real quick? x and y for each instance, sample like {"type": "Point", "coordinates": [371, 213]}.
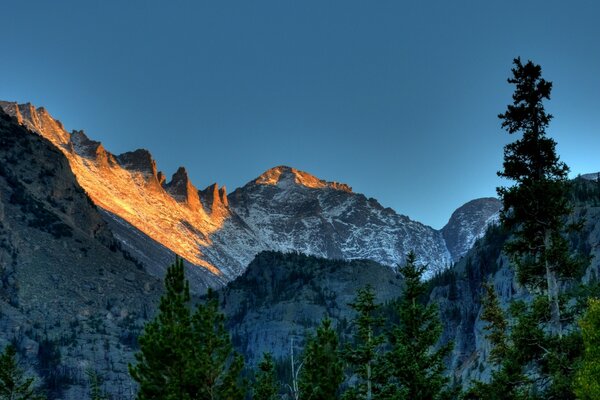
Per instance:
{"type": "Point", "coordinates": [532, 355]}
{"type": "Point", "coordinates": [13, 383]}
{"type": "Point", "coordinates": [96, 393]}
{"type": "Point", "coordinates": [265, 385]}
{"type": "Point", "coordinates": [322, 370]}
{"type": "Point", "coordinates": [587, 379]}
{"type": "Point", "coordinates": [497, 325]}
{"type": "Point", "coordinates": [184, 356]}
{"type": "Point", "coordinates": [162, 365]}
{"type": "Point", "coordinates": [214, 361]}
{"type": "Point", "coordinates": [415, 370]}
{"type": "Point", "coordinates": [363, 353]}
{"type": "Point", "coordinates": [536, 206]}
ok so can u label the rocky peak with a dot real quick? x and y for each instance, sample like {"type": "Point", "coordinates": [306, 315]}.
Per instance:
{"type": "Point", "coordinates": [139, 160]}
{"type": "Point", "coordinates": [38, 120]}
{"type": "Point", "coordinates": [284, 177]}
{"type": "Point", "coordinates": [162, 179]}
{"type": "Point", "coordinates": [90, 149]}
{"type": "Point", "coordinates": [12, 108]}
{"type": "Point", "coordinates": [181, 189]}
{"type": "Point", "coordinates": [468, 223]}
{"type": "Point", "coordinates": [214, 199]}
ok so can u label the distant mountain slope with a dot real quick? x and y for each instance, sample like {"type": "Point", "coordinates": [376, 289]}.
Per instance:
{"type": "Point", "coordinates": [468, 223]}
{"type": "Point", "coordinates": [281, 297]}
{"type": "Point", "coordinates": [284, 209]}
{"type": "Point", "coordinates": [292, 210]}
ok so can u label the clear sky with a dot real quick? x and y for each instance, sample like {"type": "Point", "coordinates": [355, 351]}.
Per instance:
{"type": "Point", "coordinates": [398, 99]}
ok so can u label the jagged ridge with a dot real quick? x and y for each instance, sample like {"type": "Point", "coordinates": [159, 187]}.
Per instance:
{"type": "Point", "coordinates": [283, 209]}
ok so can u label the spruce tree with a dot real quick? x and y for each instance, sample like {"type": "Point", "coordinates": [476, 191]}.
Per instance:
{"type": "Point", "coordinates": [322, 370]}
{"type": "Point", "coordinates": [96, 392]}
{"type": "Point", "coordinates": [184, 356]}
{"type": "Point", "coordinates": [532, 354]}
{"type": "Point", "coordinates": [536, 207]}
{"type": "Point", "coordinates": [13, 383]}
{"type": "Point", "coordinates": [162, 367]}
{"type": "Point", "coordinates": [497, 324]}
{"type": "Point", "coordinates": [215, 363]}
{"type": "Point", "coordinates": [414, 368]}
{"type": "Point", "coordinates": [363, 352]}
{"type": "Point", "coordinates": [587, 378]}
{"type": "Point", "coordinates": [265, 383]}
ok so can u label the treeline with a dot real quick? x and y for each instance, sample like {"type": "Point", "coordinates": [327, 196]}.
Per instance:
{"type": "Point", "coordinates": [188, 354]}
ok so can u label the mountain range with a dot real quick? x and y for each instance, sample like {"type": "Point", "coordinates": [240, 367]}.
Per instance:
{"type": "Point", "coordinates": [85, 237]}
{"type": "Point", "coordinates": [283, 209]}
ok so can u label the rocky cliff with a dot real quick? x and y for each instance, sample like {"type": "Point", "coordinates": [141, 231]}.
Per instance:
{"type": "Point", "coordinates": [70, 297]}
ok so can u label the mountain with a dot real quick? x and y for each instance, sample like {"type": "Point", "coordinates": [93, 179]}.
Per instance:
{"type": "Point", "coordinates": [218, 234]}
{"type": "Point", "coordinates": [78, 281]}
{"type": "Point", "coordinates": [290, 210]}
{"type": "Point", "coordinates": [592, 177]}
{"type": "Point", "coordinates": [468, 223]}
{"type": "Point", "coordinates": [281, 297]}
{"type": "Point", "coordinates": [70, 297]}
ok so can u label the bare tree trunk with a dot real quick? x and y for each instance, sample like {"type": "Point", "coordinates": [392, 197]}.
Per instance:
{"type": "Point", "coordinates": [369, 391]}
{"type": "Point", "coordinates": [295, 392]}
{"type": "Point", "coordinates": [551, 281]}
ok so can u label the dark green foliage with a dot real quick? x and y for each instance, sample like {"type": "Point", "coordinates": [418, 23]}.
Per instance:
{"type": "Point", "coordinates": [537, 205]}
{"type": "Point", "coordinates": [214, 363]}
{"type": "Point", "coordinates": [533, 356]}
{"type": "Point", "coordinates": [533, 362]}
{"type": "Point", "coordinates": [363, 353]}
{"type": "Point", "coordinates": [497, 324]}
{"type": "Point", "coordinates": [413, 368]}
{"type": "Point", "coordinates": [185, 356]}
{"type": "Point", "coordinates": [13, 383]}
{"type": "Point", "coordinates": [265, 385]}
{"type": "Point", "coordinates": [322, 371]}
{"type": "Point", "coordinates": [587, 380]}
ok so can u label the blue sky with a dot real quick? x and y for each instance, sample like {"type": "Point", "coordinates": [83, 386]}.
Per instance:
{"type": "Point", "coordinates": [397, 99]}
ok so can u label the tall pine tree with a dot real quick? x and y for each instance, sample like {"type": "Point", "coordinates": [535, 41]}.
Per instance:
{"type": "Point", "coordinates": [265, 382]}
{"type": "Point", "coordinates": [184, 356]}
{"type": "Point", "coordinates": [536, 207]}
{"type": "Point", "coordinates": [363, 352]}
{"type": "Point", "coordinates": [414, 368]}
{"type": "Point", "coordinates": [322, 370]}
{"type": "Point", "coordinates": [532, 354]}
{"type": "Point", "coordinates": [14, 385]}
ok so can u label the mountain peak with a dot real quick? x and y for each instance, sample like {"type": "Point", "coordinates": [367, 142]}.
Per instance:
{"type": "Point", "coordinates": [182, 189]}
{"type": "Point", "coordinates": [139, 160]}
{"type": "Point", "coordinates": [283, 175]}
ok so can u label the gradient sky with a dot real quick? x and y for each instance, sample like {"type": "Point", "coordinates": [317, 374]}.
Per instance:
{"type": "Point", "coordinates": [398, 99]}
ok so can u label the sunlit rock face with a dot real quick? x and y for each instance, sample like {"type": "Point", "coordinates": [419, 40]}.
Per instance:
{"type": "Point", "coordinates": [284, 209]}
{"type": "Point", "coordinates": [129, 186]}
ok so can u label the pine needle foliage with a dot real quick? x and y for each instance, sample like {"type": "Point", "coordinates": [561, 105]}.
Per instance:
{"type": "Point", "coordinates": [14, 385]}
{"type": "Point", "coordinates": [364, 352]}
{"type": "Point", "coordinates": [414, 368]}
{"type": "Point", "coordinates": [322, 368]}
{"type": "Point", "coordinates": [265, 382]}
{"type": "Point", "coordinates": [587, 379]}
{"type": "Point", "coordinates": [185, 356]}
